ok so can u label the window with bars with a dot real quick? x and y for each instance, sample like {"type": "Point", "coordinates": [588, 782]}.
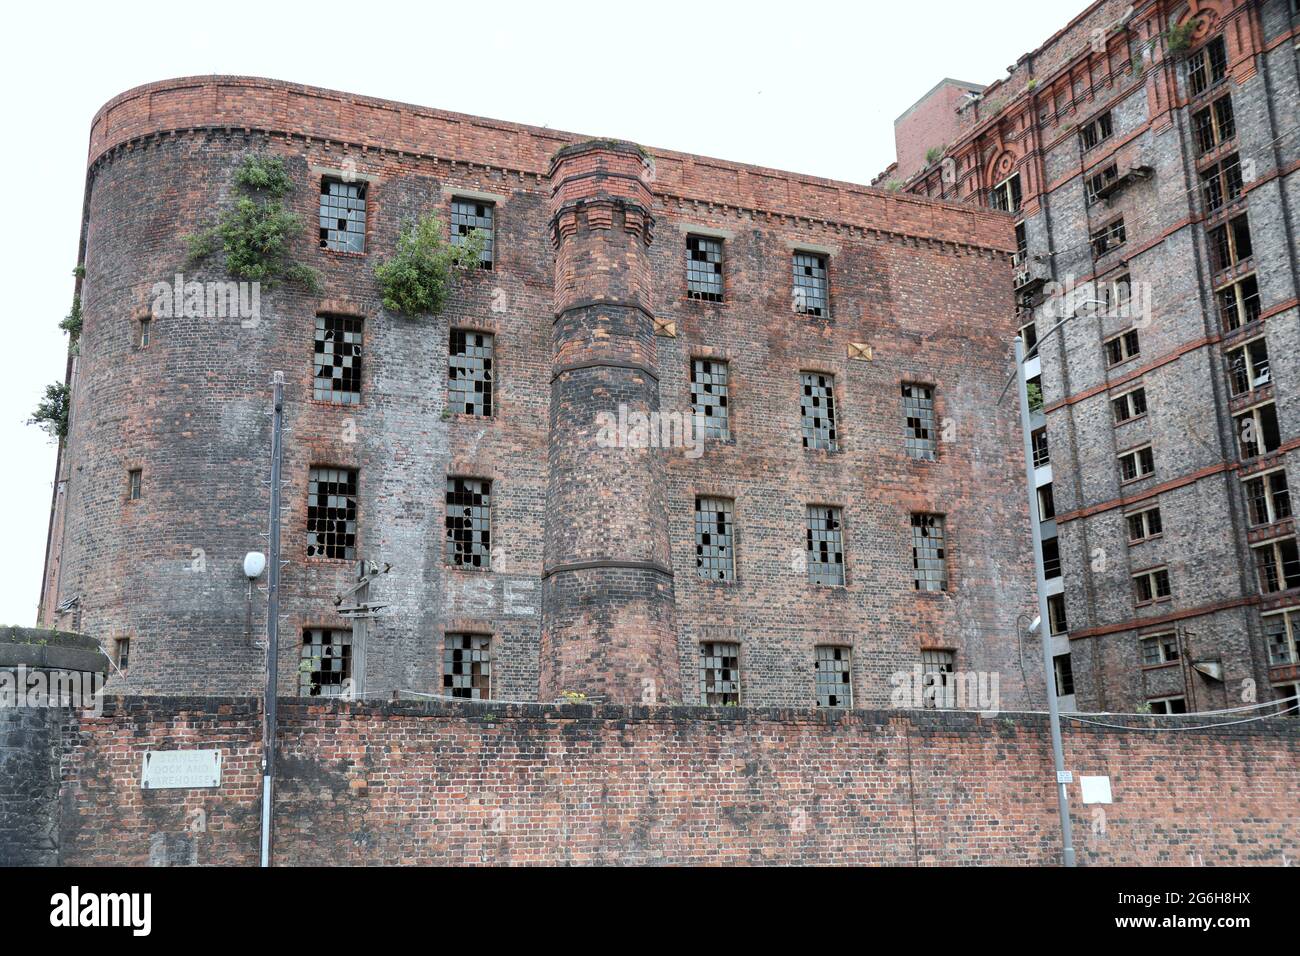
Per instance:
{"type": "Point", "coordinates": [342, 215]}
{"type": "Point", "coordinates": [1158, 649]}
{"type": "Point", "coordinates": [469, 216]}
{"type": "Point", "coordinates": [1151, 586]}
{"type": "Point", "coordinates": [1108, 238]}
{"type": "Point", "coordinates": [1136, 464]}
{"type": "Point", "coordinates": [1129, 406]}
{"type": "Point", "coordinates": [1239, 303]}
{"type": "Point", "coordinates": [135, 484]}
{"type": "Point", "coordinates": [939, 668]}
{"type": "Point", "coordinates": [1258, 432]}
{"type": "Point", "coordinates": [1097, 131]}
{"type": "Point", "coordinates": [470, 373]}
{"type": "Point", "coordinates": [834, 676]}
{"type": "Point", "coordinates": [817, 410]}
{"type": "Point", "coordinates": [825, 545]}
{"type": "Point", "coordinates": [1230, 243]}
{"type": "Point", "coordinates": [1123, 347]}
{"type": "Point", "coordinates": [714, 539]}
{"type": "Point", "coordinates": [918, 421]}
{"type": "Point", "coordinates": [337, 360]}
{"type": "Point", "coordinates": [467, 666]}
{"type": "Point", "coordinates": [1144, 525]}
{"type": "Point", "coordinates": [1268, 498]}
{"type": "Point", "coordinates": [1221, 184]}
{"type": "Point", "coordinates": [929, 556]}
{"type": "Point", "coordinates": [1168, 705]}
{"type": "Point", "coordinates": [704, 268]}
{"type": "Point", "coordinates": [469, 523]}
{"type": "Point", "coordinates": [720, 674]}
{"type": "Point", "coordinates": [332, 513]}
{"type": "Point", "coordinates": [1248, 367]}
{"type": "Point", "coordinates": [1207, 66]}
{"type": "Point", "coordinates": [1281, 634]}
{"type": "Point", "coordinates": [325, 662]}
{"type": "Point", "coordinates": [709, 396]}
{"type": "Point", "coordinates": [1214, 125]}
{"type": "Point", "coordinates": [810, 284]}
{"type": "Point", "coordinates": [1094, 184]}
{"type": "Point", "coordinates": [1278, 564]}
{"type": "Point", "coordinates": [1007, 195]}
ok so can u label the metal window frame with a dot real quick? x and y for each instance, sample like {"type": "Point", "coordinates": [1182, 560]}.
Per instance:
{"type": "Point", "coordinates": [468, 540]}
{"type": "Point", "coordinates": [311, 682]}
{"type": "Point", "coordinates": [929, 559]}
{"type": "Point", "coordinates": [467, 665]}
{"type": "Point", "coordinates": [720, 683]}
{"type": "Point", "coordinates": [715, 538]}
{"type": "Point", "coordinates": [817, 416]}
{"type": "Point", "coordinates": [833, 675]}
{"type": "Point", "coordinates": [471, 372]}
{"type": "Point", "coordinates": [325, 540]}
{"type": "Point", "coordinates": [919, 421]}
{"type": "Point", "coordinates": [811, 283]}
{"type": "Point", "coordinates": [710, 387]}
{"type": "Point", "coordinates": [343, 345]}
{"type": "Point", "coordinates": [351, 199]}
{"type": "Point", "coordinates": [464, 221]}
{"type": "Point", "coordinates": [824, 543]}
{"type": "Point", "coordinates": [705, 285]}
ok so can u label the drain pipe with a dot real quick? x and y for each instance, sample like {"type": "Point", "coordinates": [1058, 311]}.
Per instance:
{"type": "Point", "coordinates": [272, 618]}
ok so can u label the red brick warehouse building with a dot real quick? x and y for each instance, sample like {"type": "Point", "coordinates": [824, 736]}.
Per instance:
{"type": "Point", "coordinates": [856, 509]}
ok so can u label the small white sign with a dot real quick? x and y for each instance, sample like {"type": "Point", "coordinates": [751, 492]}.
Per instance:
{"type": "Point", "coordinates": [1095, 789]}
{"type": "Point", "coordinates": [180, 769]}
{"type": "Point", "coordinates": [1065, 776]}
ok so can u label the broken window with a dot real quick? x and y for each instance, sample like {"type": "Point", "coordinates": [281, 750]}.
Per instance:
{"type": "Point", "coordinates": [1239, 303]}
{"type": "Point", "coordinates": [1042, 453]}
{"type": "Point", "coordinates": [1046, 502]}
{"type": "Point", "coordinates": [834, 677]}
{"type": "Point", "coordinates": [332, 513]}
{"type": "Point", "coordinates": [1159, 649]}
{"type": "Point", "coordinates": [704, 268]}
{"type": "Point", "coordinates": [326, 662]}
{"type": "Point", "coordinates": [1268, 498]}
{"type": "Point", "coordinates": [929, 559]}
{"type": "Point", "coordinates": [123, 653]}
{"type": "Point", "coordinates": [1230, 243]}
{"type": "Point", "coordinates": [1221, 183]}
{"type": "Point", "coordinates": [1029, 336]}
{"type": "Point", "coordinates": [1282, 635]}
{"type": "Point", "coordinates": [1098, 130]}
{"type": "Point", "coordinates": [469, 523]}
{"type": "Point", "coordinates": [1123, 347]}
{"type": "Point", "coordinates": [1168, 705]}
{"type": "Point", "coordinates": [1108, 238]}
{"type": "Point", "coordinates": [145, 329]}
{"type": "Point", "coordinates": [467, 666]}
{"type": "Point", "coordinates": [338, 360]}
{"type": "Point", "coordinates": [709, 396]}
{"type": "Point", "coordinates": [469, 373]}
{"type": "Point", "coordinates": [342, 215]}
{"type": "Point", "coordinates": [810, 296]}
{"type": "Point", "coordinates": [825, 544]}
{"type": "Point", "coordinates": [469, 216]}
{"type": "Point", "coordinates": [918, 421]}
{"type": "Point", "coordinates": [1144, 525]}
{"type": "Point", "coordinates": [1214, 125]}
{"type": "Point", "coordinates": [134, 484]}
{"type": "Point", "coordinates": [1056, 614]}
{"type": "Point", "coordinates": [1064, 675]}
{"type": "Point", "coordinates": [1207, 66]}
{"type": "Point", "coordinates": [1007, 195]}
{"type": "Point", "coordinates": [1095, 183]}
{"type": "Point", "coordinates": [1258, 432]}
{"type": "Point", "coordinates": [1248, 367]}
{"type": "Point", "coordinates": [1151, 586]}
{"type": "Point", "coordinates": [720, 674]}
{"type": "Point", "coordinates": [1129, 406]}
{"type": "Point", "coordinates": [1051, 558]}
{"type": "Point", "coordinates": [1278, 564]}
{"type": "Point", "coordinates": [940, 686]}
{"type": "Point", "coordinates": [817, 408]}
{"type": "Point", "coordinates": [1136, 464]}
{"type": "Point", "coordinates": [714, 537]}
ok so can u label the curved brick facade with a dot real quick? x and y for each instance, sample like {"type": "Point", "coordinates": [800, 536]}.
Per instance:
{"type": "Point", "coordinates": [593, 586]}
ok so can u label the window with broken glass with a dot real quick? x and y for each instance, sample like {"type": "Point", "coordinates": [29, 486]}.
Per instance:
{"type": "Point", "coordinates": [332, 513]}
{"type": "Point", "coordinates": [720, 674]}
{"type": "Point", "coordinates": [337, 360]}
{"type": "Point", "coordinates": [325, 662]}
{"type": "Point", "coordinates": [834, 677]}
{"type": "Point", "coordinates": [467, 666]}
{"type": "Point", "coordinates": [918, 421]}
{"type": "Point", "coordinates": [810, 284]}
{"type": "Point", "coordinates": [342, 215]}
{"type": "Point", "coordinates": [714, 537]}
{"type": "Point", "coordinates": [817, 409]}
{"type": "Point", "coordinates": [469, 215]}
{"type": "Point", "coordinates": [469, 523]}
{"type": "Point", "coordinates": [709, 396]}
{"type": "Point", "coordinates": [825, 545]}
{"type": "Point", "coordinates": [470, 373]}
{"type": "Point", "coordinates": [940, 688]}
{"type": "Point", "coordinates": [704, 268]}
{"type": "Point", "coordinates": [929, 556]}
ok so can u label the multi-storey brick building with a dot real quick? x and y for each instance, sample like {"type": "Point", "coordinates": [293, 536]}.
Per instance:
{"type": "Point", "coordinates": [1149, 153]}
{"type": "Point", "coordinates": [847, 517]}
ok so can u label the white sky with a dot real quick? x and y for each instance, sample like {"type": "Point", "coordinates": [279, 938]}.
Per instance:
{"type": "Point", "coordinates": [812, 87]}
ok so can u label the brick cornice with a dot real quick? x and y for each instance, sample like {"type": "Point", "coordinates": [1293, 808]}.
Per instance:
{"type": "Point", "coordinates": [1141, 623]}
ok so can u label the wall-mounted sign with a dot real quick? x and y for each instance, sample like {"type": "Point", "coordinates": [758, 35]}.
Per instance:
{"type": "Point", "coordinates": [1095, 789]}
{"type": "Point", "coordinates": [180, 769]}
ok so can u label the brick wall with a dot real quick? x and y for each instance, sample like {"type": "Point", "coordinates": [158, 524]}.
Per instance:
{"type": "Point", "coordinates": [29, 786]}
{"type": "Point", "coordinates": [494, 783]}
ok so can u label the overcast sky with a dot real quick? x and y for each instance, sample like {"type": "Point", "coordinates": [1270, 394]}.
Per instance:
{"type": "Point", "coordinates": [804, 86]}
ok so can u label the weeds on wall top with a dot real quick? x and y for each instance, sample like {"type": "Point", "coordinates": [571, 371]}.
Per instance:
{"type": "Point", "coordinates": [1178, 38]}
{"type": "Point", "coordinates": [419, 276]}
{"type": "Point", "coordinates": [52, 412]}
{"type": "Point", "coordinates": [255, 234]}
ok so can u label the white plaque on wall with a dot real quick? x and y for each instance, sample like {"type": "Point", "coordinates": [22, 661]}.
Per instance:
{"type": "Point", "coordinates": [1095, 789]}
{"type": "Point", "coordinates": [180, 769]}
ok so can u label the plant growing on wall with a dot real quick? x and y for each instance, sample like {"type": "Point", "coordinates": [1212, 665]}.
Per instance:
{"type": "Point", "coordinates": [255, 234]}
{"type": "Point", "coordinates": [72, 324]}
{"type": "Point", "coordinates": [1179, 38]}
{"type": "Point", "coordinates": [419, 276]}
{"type": "Point", "coordinates": [52, 412]}
{"type": "Point", "coordinates": [1035, 393]}
{"type": "Point", "coordinates": [933, 155]}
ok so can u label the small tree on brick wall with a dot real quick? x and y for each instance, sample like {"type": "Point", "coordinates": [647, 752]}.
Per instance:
{"type": "Point", "coordinates": [419, 276]}
{"type": "Point", "coordinates": [52, 412]}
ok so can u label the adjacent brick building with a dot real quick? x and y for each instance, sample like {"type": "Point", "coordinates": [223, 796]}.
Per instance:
{"type": "Point", "coordinates": [1149, 154]}
{"type": "Point", "coordinates": [853, 513]}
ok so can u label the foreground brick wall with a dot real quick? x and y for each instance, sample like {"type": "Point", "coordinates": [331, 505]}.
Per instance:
{"type": "Point", "coordinates": [495, 783]}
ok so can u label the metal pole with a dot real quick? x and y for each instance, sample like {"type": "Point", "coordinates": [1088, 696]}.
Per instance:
{"type": "Point", "coordinates": [272, 618]}
{"type": "Point", "coordinates": [1044, 627]}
